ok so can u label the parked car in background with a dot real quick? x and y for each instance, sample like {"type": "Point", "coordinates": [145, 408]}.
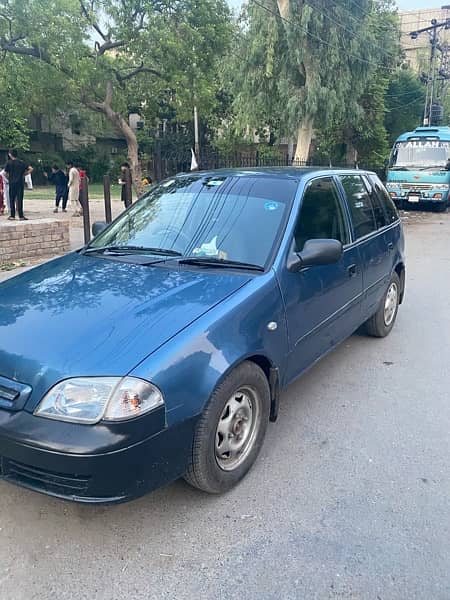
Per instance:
{"type": "Point", "coordinates": [159, 350]}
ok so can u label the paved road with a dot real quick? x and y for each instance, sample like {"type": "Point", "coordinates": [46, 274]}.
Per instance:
{"type": "Point", "coordinates": [349, 500]}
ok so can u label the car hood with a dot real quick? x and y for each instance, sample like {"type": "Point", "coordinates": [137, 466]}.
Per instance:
{"type": "Point", "coordinates": [84, 315]}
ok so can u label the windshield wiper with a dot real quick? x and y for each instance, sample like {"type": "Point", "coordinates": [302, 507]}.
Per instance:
{"type": "Point", "coordinates": [132, 249]}
{"type": "Point", "coordinates": [211, 261]}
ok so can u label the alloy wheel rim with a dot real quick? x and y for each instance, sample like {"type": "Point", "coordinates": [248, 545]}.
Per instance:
{"type": "Point", "coordinates": [390, 304]}
{"type": "Point", "coordinates": [237, 428]}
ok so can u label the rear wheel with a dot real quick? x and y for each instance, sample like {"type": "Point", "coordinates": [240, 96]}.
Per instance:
{"type": "Point", "coordinates": [231, 430]}
{"type": "Point", "coordinates": [382, 322]}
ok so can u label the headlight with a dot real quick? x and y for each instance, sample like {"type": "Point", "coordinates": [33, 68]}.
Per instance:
{"type": "Point", "coordinates": [91, 399]}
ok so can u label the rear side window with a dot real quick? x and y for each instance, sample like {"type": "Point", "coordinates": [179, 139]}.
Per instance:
{"type": "Point", "coordinates": [385, 199]}
{"type": "Point", "coordinates": [321, 215]}
{"type": "Point", "coordinates": [378, 209]}
{"type": "Point", "coordinates": [360, 206]}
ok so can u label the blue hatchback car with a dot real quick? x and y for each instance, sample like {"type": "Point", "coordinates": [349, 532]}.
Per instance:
{"type": "Point", "coordinates": [159, 350]}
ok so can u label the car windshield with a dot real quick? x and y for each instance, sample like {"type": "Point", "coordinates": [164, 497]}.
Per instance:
{"type": "Point", "coordinates": [421, 153]}
{"type": "Point", "coordinates": [231, 218]}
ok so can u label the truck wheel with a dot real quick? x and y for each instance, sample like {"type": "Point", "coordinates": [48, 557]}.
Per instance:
{"type": "Point", "coordinates": [382, 322]}
{"type": "Point", "coordinates": [442, 207]}
{"type": "Point", "coordinates": [231, 430]}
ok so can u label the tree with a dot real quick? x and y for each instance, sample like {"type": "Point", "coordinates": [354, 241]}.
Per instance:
{"type": "Point", "coordinates": [316, 62]}
{"type": "Point", "coordinates": [405, 100]}
{"type": "Point", "coordinates": [114, 54]}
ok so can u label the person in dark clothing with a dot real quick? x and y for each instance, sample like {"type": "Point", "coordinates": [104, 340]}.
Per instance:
{"type": "Point", "coordinates": [125, 182]}
{"type": "Point", "coordinates": [59, 180]}
{"type": "Point", "coordinates": [16, 170]}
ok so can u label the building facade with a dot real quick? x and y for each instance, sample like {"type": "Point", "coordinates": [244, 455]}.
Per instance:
{"type": "Point", "coordinates": [417, 51]}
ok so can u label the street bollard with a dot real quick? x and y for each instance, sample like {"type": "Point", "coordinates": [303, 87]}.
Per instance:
{"type": "Point", "coordinates": [128, 189]}
{"type": "Point", "coordinates": [107, 197]}
{"type": "Point", "coordinates": [84, 199]}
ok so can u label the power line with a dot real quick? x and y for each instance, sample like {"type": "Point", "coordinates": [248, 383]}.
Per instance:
{"type": "Point", "coordinates": [401, 95]}
{"type": "Point", "coordinates": [404, 105]}
{"type": "Point", "coordinates": [351, 32]}
{"type": "Point", "coordinates": [319, 39]}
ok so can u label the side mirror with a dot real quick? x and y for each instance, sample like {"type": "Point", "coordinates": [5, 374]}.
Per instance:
{"type": "Point", "coordinates": [98, 226]}
{"type": "Point", "coordinates": [317, 253]}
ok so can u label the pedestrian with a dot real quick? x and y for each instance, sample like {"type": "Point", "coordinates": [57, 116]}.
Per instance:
{"type": "Point", "coordinates": [28, 181]}
{"type": "Point", "coordinates": [2, 198]}
{"type": "Point", "coordinates": [5, 186]}
{"type": "Point", "coordinates": [125, 182]}
{"type": "Point", "coordinates": [74, 189]}
{"type": "Point", "coordinates": [16, 170]}
{"type": "Point", "coordinates": [59, 180]}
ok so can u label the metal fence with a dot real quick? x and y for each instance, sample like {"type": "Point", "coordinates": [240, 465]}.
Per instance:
{"type": "Point", "coordinates": [167, 166]}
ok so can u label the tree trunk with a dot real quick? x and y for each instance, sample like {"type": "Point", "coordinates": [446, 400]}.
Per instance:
{"type": "Point", "coordinates": [124, 128]}
{"type": "Point", "coordinates": [351, 153]}
{"type": "Point", "coordinates": [133, 157]}
{"type": "Point", "coordinates": [304, 138]}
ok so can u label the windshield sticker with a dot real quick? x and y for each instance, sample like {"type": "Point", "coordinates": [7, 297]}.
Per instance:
{"type": "Point", "coordinates": [271, 205]}
{"type": "Point", "coordinates": [424, 144]}
{"type": "Point", "coordinates": [215, 182]}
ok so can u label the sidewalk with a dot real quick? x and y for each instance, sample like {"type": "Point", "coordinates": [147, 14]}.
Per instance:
{"type": "Point", "coordinates": [40, 207]}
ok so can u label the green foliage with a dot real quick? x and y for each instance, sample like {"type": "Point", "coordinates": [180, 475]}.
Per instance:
{"type": "Point", "coordinates": [229, 142]}
{"type": "Point", "coordinates": [322, 61]}
{"type": "Point", "coordinates": [96, 165]}
{"type": "Point", "coordinates": [154, 56]}
{"type": "Point", "coordinates": [405, 101]}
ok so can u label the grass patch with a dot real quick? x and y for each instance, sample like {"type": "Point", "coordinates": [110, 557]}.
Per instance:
{"type": "Point", "coordinates": [47, 192]}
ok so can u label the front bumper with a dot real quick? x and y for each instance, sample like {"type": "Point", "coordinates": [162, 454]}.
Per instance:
{"type": "Point", "coordinates": [104, 477]}
{"type": "Point", "coordinates": [418, 198]}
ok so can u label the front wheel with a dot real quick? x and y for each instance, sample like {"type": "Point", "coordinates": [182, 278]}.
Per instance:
{"type": "Point", "coordinates": [442, 207]}
{"type": "Point", "coordinates": [231, 430]}
{"type": "Point", "coordinates": [382, 322]}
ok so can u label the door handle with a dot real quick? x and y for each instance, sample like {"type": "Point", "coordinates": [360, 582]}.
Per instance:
{"type": "Point", "coordinates": [390, 246]}
{"type": "Point", "coordinates": [352, 270]}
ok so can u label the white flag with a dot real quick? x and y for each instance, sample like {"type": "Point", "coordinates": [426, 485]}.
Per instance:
{"type": "Point", "coordinates": [194, 163]}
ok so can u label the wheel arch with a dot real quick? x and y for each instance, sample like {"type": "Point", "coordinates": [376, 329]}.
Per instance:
{"type": "Point", "coordinates": [273, 379]}
{"type": "Point", "coordinates": [401, 272]}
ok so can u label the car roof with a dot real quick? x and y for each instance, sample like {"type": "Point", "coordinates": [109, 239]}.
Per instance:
{"type": "Point", "coordinates": [277, 172]}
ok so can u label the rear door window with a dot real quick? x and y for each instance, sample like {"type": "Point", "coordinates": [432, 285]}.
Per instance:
{"type": "Point", "coordinates": [385, 199]}
{"type": "Point", "coordinates": [378, 209]}
{"type": "Point", "coordinates": [360, 206]}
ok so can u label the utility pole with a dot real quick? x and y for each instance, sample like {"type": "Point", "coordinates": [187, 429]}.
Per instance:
{"type": "Point", "coordinates": [430, 96]}
{"type": "Point", "coordinates": [196, 136]}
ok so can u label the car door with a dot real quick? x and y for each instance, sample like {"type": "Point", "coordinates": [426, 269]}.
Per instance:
{"type": "Point", "coordinates": [322, 303]}
{"type": "Point", "coordinates": [375, 248]}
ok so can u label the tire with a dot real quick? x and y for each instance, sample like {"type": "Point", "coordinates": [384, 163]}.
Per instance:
{"type": "Point", "coordinates": [382, 322]}
{"type": "Point", "coordinates": [235, 418]}
{"type": "Point", "coordinates": [441, 208]}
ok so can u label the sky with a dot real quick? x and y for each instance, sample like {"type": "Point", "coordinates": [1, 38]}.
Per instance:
{"type": "Point", "coordinates": [413, 4]}
{"type": "Point", "coordinates": [402, 4]}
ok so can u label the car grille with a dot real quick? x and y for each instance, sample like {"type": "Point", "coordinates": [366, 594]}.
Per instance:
{"type": "Point", "coordinates": [8, 394]}
{"type": "Point", "coordinates": [416, 186]}
{"type": "Point", "coordinates": [43, 480]}
{"type": "Point", "coordinates": [13, 395]}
